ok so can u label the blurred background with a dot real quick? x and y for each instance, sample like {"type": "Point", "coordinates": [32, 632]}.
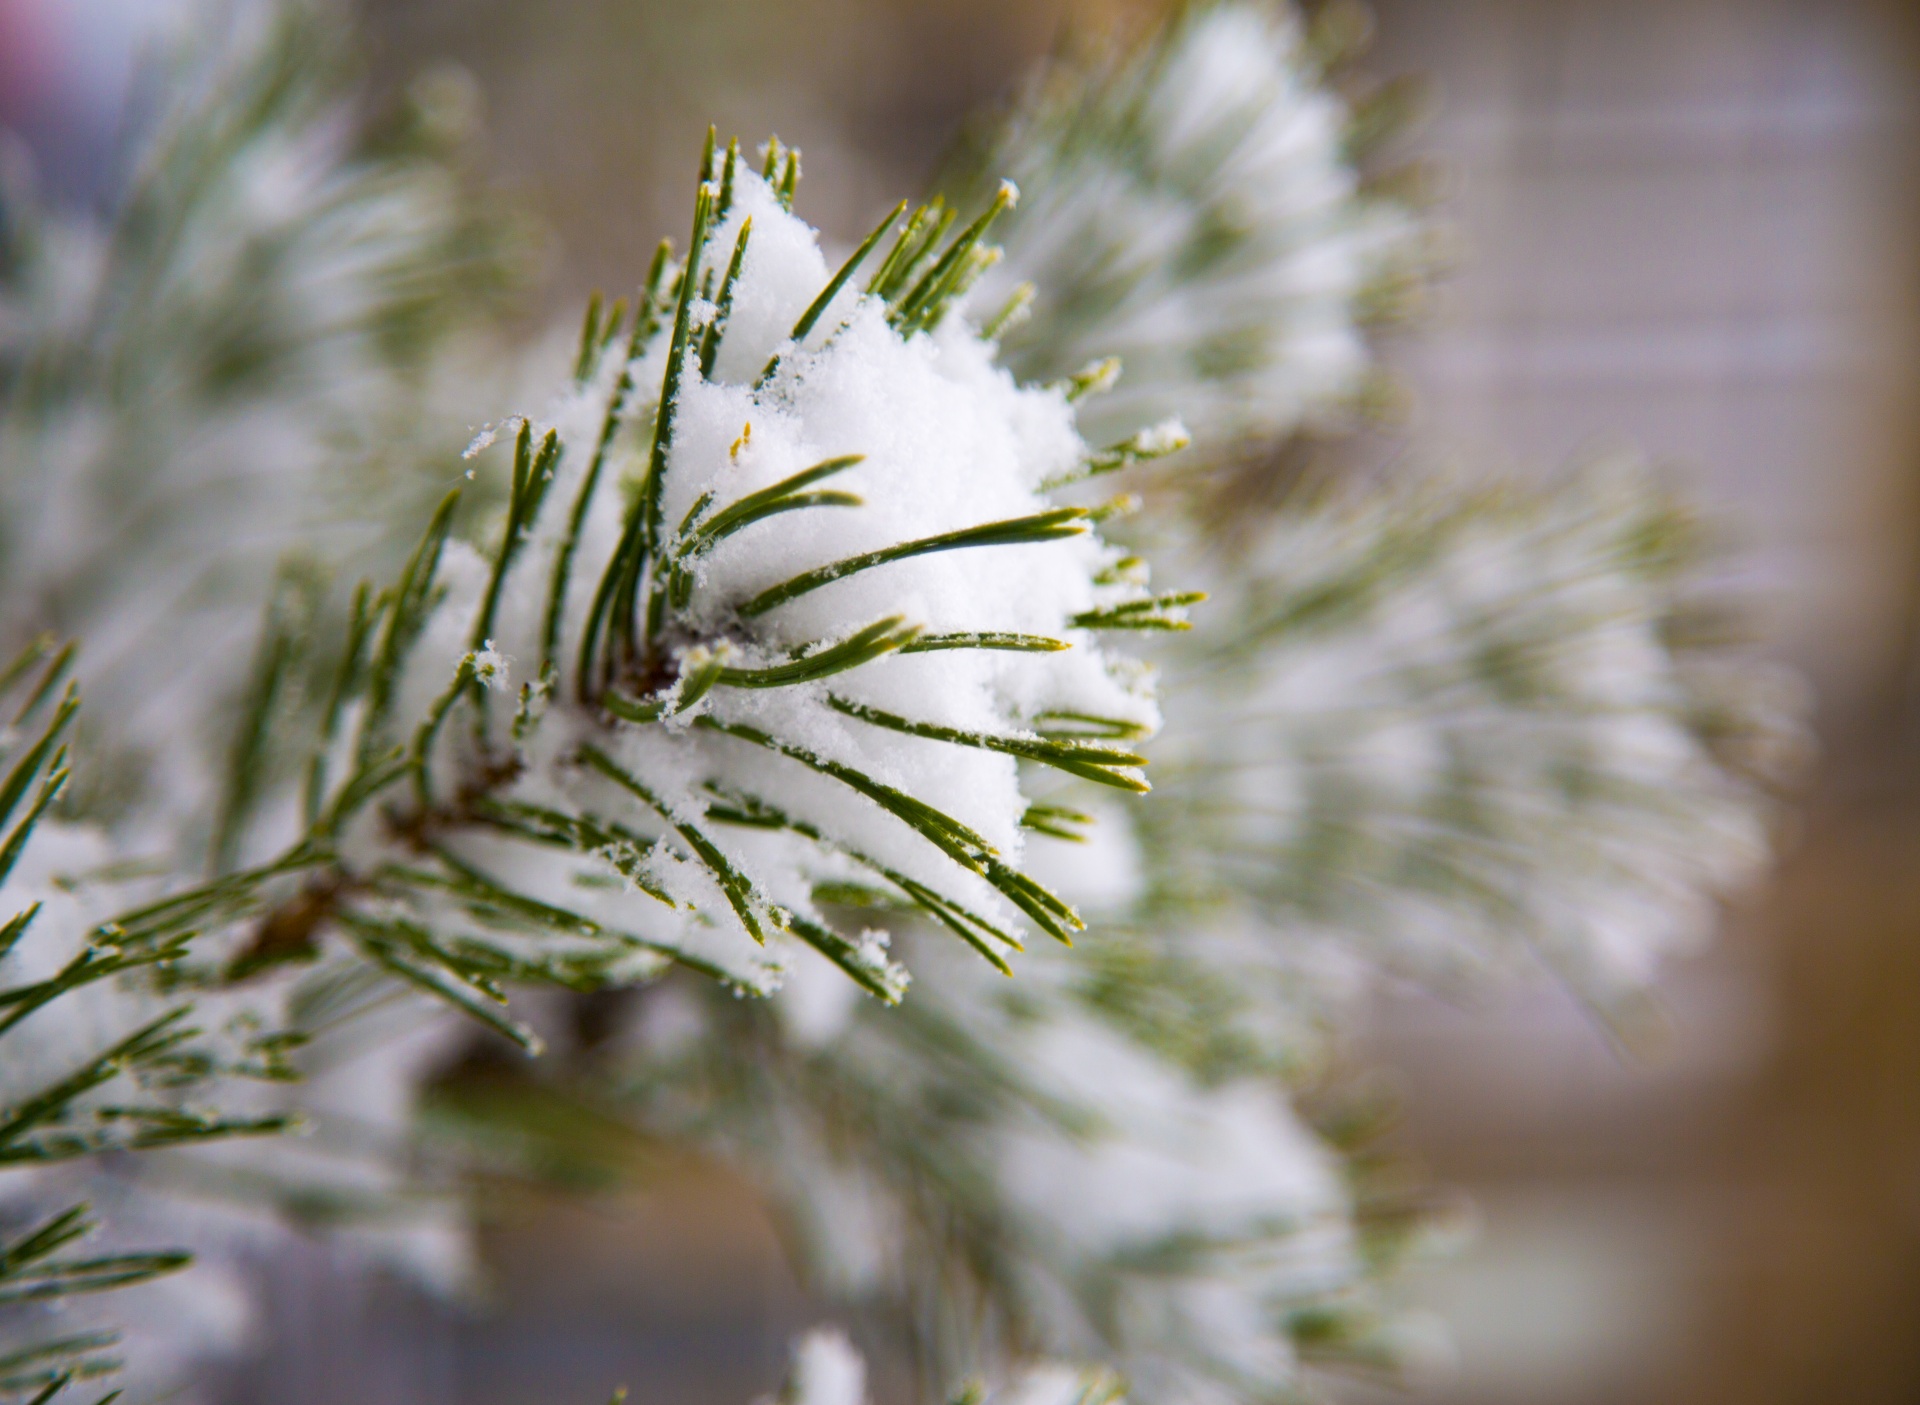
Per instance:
{"type": "Point", "coordinates": [1684, 224]}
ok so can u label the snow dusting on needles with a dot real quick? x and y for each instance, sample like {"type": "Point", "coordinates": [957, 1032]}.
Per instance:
{"type": "Point", "coordinates": [784, 561]}
{"type": "Point", "coordinates": [1196, 211]}
{"type": "Point", "coordinates": [1505, 691]}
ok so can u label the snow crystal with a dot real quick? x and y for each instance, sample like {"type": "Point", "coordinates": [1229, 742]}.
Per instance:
{"type": "Point", "coordinates": [490, 668]}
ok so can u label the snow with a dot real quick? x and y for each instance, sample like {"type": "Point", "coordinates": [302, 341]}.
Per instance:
{"type": "Point", "coordinates": [1493, 696]}
{"type": "Point", "coordinates": [827, 1370]}
{"type": "Point", "coordinates": [1197, 216]}
{"type": "Point", "coordinates": [940, 439]}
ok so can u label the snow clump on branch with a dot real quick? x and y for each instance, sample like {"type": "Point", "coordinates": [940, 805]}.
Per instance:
{"type": "Point", "coordinates": [793, 608]}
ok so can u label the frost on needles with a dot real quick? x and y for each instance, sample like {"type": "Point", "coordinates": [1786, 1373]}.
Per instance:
{"type": "Point", "coordinates": [1201, 223]}
{"type": "Point", "coordinates": [785, 607]}
{"type": "Point", "coordinates": [778, 600]}
{"type": "Point", "coordinates": [106, 1046]}
{"type": "Point", "coordinates": [1465, 731]}
{"type": "Point", "coordinates": [251, 357]}
{"type": "Point", "coordinates": [1392, 687]}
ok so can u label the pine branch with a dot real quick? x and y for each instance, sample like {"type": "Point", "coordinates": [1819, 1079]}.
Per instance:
{"type": "Point", "coordinates": [74, 1089]}
{"type": "Point", "coordinates": [1214, 237]}
{"type": "Point", "coordinates": [664, 639]}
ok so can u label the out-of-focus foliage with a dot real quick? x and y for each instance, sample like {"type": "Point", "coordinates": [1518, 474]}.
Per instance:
{"type": "Point", "coordinates": [1196, 209]}
{"type": "Point", "coordinates": [231, 371]}
{"type": "Point", "coordinates": [105, 1052]}
{"type": "Point", "coordinates": [1468, 731]}
{"type": "Point", "coordinates": [605, 716]}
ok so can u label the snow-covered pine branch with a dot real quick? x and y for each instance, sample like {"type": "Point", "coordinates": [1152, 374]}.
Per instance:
{"type": "Point", "coordinates": [105, 1046]}
{"type": "Point", "coordinates": [1605, 797]}
{"type": "Point", "coordinates": [1463, 731]}
{"type": "Point", "coordinates": [1447, 732]}
{"type": "Point", "coordinates": [773, 628]}
{"type": "Point", "coordinates": [1195, 211]}
{"type": "Point", "coordinates": [1006, 1174]}
{"type": "Point", "coordinates": [1214, 175]}
{"type": "Point", "coordinates": [778, 600]}
{"type": "Point", "coordinates": [249, 358]}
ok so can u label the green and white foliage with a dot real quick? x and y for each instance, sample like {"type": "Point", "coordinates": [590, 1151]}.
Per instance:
{"type": "Point", "coordinates": [1195, 212]}
{"type": "Point", "coordinates": [875, 668]}
{"type": "Point", "coordinates": [770, 643]}
{"type": "Point", "coordinates": [1001, 1171]}
{"type": "Point", "coordinates": [1436, 730]}
{"type": "Point", "coordinates": [106, 1049]}
{"type": "Point", "coordinates": [251, 359]}
{"type": "Point", "coordinates": [778, 600]}
{"type": "Point", "coordinates": [1449, 733]}
{"type": "Point", "coordinates": [231, 368]}
{"type": "Point", "coordinates": [122, 1031]}
{"type": "Point", "coordinates": [1465, 732]}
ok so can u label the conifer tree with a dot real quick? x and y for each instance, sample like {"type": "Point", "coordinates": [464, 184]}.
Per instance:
{"type": "Point", "coordinates": [780, 670]}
